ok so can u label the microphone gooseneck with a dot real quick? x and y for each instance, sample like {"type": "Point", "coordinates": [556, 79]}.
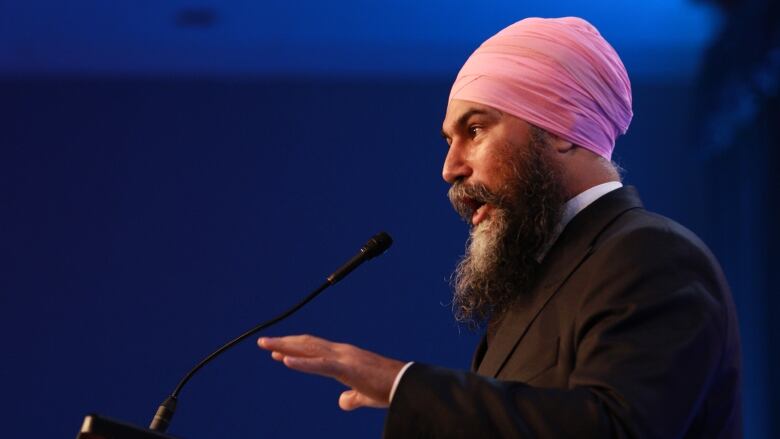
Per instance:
{"type": "Point", "coordinates": [374, 247]}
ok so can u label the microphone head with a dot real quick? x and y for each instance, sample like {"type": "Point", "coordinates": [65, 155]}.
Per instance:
{"type": "Point", "coordinates": [377, 245]}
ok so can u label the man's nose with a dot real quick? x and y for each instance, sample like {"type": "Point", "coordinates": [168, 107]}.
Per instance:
{"type": "Point", "coordinates": [456, 166]}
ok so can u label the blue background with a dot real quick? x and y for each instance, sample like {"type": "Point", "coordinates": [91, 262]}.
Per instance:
{"type": "Point", "coordinates": [172, 174]}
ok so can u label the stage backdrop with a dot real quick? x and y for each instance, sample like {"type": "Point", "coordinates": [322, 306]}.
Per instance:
{"type": "Point", "coordinates": [149, 215]}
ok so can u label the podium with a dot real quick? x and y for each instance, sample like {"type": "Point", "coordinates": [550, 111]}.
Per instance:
{"type": "Point", "coordinates": [101, 427]}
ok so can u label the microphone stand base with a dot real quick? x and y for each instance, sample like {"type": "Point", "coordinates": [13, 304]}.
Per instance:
{"type": "Point", "coordinates": [101, 427]}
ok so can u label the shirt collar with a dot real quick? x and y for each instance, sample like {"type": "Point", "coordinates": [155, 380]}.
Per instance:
{"type": "Point", "coordinates": [574, 206]}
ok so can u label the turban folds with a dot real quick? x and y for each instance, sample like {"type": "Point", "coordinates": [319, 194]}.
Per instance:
{"type": "Point", "coordinates": [559, 74]}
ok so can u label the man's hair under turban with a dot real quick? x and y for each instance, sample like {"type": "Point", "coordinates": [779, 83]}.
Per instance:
{"type": "Point", "coordinates": [558, 74]}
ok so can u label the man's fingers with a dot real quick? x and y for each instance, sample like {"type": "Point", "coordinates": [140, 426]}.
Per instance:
{"type": "Point", "coordinates": [349, 400]}
{"type": "Point", "coordinates": [316, 365]}
{"type": "Point", "coordinates": [297, 345]}
{"type": "Point", "coordinates": [352, 399]}
{"type": "Point", "coordinates": [371, 375]}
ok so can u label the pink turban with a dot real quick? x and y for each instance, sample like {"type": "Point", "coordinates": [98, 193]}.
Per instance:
{"type": "Point", "coordinates": [558, 74]}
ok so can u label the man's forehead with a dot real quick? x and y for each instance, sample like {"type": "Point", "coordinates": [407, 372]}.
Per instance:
{"type": "Point", "coordinates": [459, 110]}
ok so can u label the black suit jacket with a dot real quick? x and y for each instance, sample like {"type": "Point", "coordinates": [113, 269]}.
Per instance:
{"type": "Point", "coordinates": [630, 332]}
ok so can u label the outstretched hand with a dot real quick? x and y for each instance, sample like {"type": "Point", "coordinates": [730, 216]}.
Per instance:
{"type": "Point", "coordinates": [369, 376]}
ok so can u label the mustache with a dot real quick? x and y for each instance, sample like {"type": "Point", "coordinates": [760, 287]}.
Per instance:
{"type": "Point", "coordinates": [467, 198]}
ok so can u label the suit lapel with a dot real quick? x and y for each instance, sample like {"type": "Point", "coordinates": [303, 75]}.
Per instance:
{"type": "Point", "coordinates": [573, 246]}
{"type": "Point", "coordinates": [518, 319]}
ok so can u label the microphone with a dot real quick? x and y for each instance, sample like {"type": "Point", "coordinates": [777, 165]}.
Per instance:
{"type": "Point", "coordinates": [374, 247]}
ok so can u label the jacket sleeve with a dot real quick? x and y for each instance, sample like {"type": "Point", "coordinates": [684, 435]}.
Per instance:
{"type": "Point", "coordinates": [649, 336]}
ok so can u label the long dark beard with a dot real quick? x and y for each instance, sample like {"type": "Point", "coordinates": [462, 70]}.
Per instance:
{"type": "Point", "coordinates": [501, 263]}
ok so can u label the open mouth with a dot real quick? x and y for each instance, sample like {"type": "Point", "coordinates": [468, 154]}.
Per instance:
{"type": "Point", "coordinates": [480, 214]}
{"type": "Point", "coordinates": [472, 202]}
{"type": "Point", "coordinates": [474, 211]}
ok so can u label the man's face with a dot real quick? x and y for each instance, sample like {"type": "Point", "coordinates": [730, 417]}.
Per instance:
{"type": "Point", "coordinates": [482, 141]}
{"type": "Point", "coordinates": [506, 185]}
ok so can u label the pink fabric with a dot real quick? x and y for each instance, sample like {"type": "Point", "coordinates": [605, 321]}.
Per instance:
{"type": "Point", "coordinates": [559, 74]}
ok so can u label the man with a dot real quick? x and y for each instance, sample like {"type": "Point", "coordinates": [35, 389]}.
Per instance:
{"type": "Point", "coordinates": [603, 319]}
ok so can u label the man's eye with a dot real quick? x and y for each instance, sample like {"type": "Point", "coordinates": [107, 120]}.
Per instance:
{"type": "Point", "coordinates": [474, 130]}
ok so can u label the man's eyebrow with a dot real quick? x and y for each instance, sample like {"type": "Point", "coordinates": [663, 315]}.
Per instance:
{"type": "Point", "coordinates": [464, 118]}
